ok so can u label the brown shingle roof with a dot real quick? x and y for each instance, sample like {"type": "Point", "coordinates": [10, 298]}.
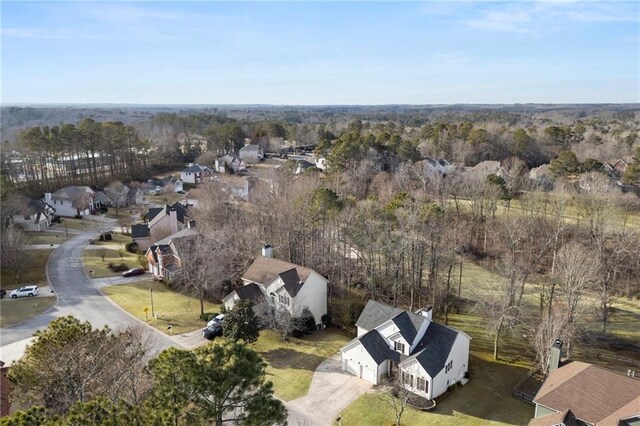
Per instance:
{"type": "Point", "coordinates": [264, 269]}
{"type": "Point", "coordinates": [592, 393]}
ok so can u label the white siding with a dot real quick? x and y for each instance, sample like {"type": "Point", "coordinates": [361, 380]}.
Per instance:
{"type": "Point", "coordinates": [230, 300]}
{"type": "Point", "coordinates": [357, 361]}
{"type": "Point", "coordinates": [460, 356]}
{"type": "Point", "coordinates": [314, 295]}
{"type": "Point", "coordinates": [188, 177]}
{"type": "Point", "coordinates": [361, 331]}
{"type": "Point", "coordinates": [413, 367]}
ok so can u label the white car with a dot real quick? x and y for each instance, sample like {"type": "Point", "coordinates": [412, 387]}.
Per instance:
{"type": "Point", "coordinates": [29, 290]}
{"type": "Point", "coordinates": [217, 319]}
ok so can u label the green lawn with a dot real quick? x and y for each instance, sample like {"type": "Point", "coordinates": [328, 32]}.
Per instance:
{"type": "Point", "coordinates": [182, 312]}
{"type": "Point", "coordinates": [485, 400]}
{"type": "Point", "coordinates": [118, 240]}
{"type": "Point", "coordinates": [33, 271]}
{"type": "Point", "coordinates": [292, 363]}
{"type": "Point", "coordinates": [46, 237]}
{"type": "Point", "coordinates": [13, 311]}
{"type": "Point", "coordinates": [168, 198]}
{"type": "Point", "coordinates": [75, 224]}
{"type": "Point", "coordinates": [93, 262]}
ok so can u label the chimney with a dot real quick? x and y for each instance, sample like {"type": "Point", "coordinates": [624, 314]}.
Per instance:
{"type": "Point", "coordinates": [555, 355]}
{"type": "Point", "coordinates": [427, 311]}
{"type": "Point", "coordinates": [47, 197]}
{"type": "Point", "coordinates": [247, 141]}
{"type": "Point", "coordinates": [267, 250]}
{"type": "Point", "coordinates": [190, 164]}
{"type": "Point", "coordinates": [191, 224]}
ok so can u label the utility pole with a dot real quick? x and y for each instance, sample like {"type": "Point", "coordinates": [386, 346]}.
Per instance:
{"type": "Point", "coordinates": [153, 312]}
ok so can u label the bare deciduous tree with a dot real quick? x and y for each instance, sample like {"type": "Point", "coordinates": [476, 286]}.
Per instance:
{"type": "Point", "coordinates": [13, 250]}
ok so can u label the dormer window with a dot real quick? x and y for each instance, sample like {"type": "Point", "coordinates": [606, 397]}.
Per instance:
{"type": "Point", "coordinates": [398, 347]}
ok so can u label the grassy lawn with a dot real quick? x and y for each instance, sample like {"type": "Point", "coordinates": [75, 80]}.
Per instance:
{"type": "Point", "coordinates": [118, 241]}
{"type": "Point", "coordinates": [168, 198]}
{"type": "Point", "coordinates": [291, 364]}
{"type": "Point", "coordinates": [182, 312]}
{"type": "Point", "coordinates": [33, 271]}
{"type": "Point", "coordinates": [92, 260]}
{"type": "Point", "coordinates": [485, 399]}
{"type": "Point", "coordinates": [13, 311]}
{"type": "Point", "coordinates": [46, 237]}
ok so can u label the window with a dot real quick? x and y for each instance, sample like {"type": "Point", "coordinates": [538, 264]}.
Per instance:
{"type": "Point", "coordinates": [407, 379]}
{"type": "Point", "coordinates": [398, 346]}
{"type": "Point", "coordinates": [423, 384]}
{"type": "Point", "coordinates": [448, 367]}
{"type": "Point", "coordinates": [283, 299]}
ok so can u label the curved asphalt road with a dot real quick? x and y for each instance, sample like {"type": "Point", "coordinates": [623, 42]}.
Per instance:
{"type": "Point", "coordinates": [77, 296]}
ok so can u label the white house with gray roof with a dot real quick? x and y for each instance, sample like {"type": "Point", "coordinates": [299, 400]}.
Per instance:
{"type": "Point", "coordinates": [427, 357]}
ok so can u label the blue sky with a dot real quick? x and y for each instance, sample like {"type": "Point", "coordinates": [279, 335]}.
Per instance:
{"type": "Point", "coordinates": [320, 52]}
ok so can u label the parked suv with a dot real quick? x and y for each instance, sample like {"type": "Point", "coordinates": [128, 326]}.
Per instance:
{"type": "Point", "coordinates": [29, 290]}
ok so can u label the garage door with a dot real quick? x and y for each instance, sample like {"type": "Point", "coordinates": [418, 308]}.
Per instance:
{"type": "Point", "coordinates": [350, 367]}
{"type": "Point", "coordinates": [368, 374]}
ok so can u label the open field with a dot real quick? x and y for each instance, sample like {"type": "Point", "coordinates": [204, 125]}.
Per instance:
{"type": "Point", "coordinates": [46, 237]}
{"type": "Point", "coordinates": [292, 363]}
{"type": "Point", "coordinates": [181, 311]}
{"type": "Point", "coordinates": [485, 399]}
{"type": "Point", "coordinates": [33, 271]}
{"type": "Point", "coordinates": [14, 311]}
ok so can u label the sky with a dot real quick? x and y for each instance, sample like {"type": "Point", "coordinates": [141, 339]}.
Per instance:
{"type": "Point", "coordinates": [318, 53]}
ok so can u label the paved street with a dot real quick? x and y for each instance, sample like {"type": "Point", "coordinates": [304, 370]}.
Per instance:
{"type": "Point", "coordinates": [76, 296]}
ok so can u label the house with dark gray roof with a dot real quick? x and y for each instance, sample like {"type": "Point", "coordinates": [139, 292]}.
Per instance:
{"type": "Point", "coordinates": [426, 357]}
{"type": "Point", "coordinates": [195, 173]}
{"type": "Point", "coordinates": [282, 285]}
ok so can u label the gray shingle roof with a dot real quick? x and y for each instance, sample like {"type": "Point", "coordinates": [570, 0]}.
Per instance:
{"type": "Point", "coordinates": [375, 314]}
{"type": "Point", "coordinates": [375, 344]}
{"type": "Point", "coordinates": [292, 282]}
{"type": "Point", "coordinates": [408, 324]}
{"type": "Point", "coordinates": [139, 231]}
{"type": "Point", "coordinates": [195, 168]}
{"type": "Point", "coordinates": [153, 212]}
{"type": "Point", "coordinates": [250, 291]}
{"type": "Point", "coordinates": [434, 348]}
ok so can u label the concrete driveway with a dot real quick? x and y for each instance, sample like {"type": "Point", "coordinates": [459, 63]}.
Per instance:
{"type": "Point", "coordinates": [331, 391]}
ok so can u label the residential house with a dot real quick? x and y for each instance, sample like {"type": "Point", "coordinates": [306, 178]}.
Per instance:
{"type": "Point", "coordinates": [578, 393]}
{"type": "Point", "coordinates": [230, 163]}
{"type": "Point", "coordinates": [251, 154]}
{"type": "Point", "coordinates": [164, 257]}
{"type": "Point", "coordinates": [432, 166]}
{"type": "Point", "coordinates": [141, 235]}
{"type": "Point", "coordinates": [72, 201]}
{"type": "Point", "coordinates": [425, 356]}
{"type": "Point", "coordinates": [167, 220]}
{"type": "Point", "coordinates": [136, 195]}
{"type": "Point", "coordinates": [542, 175]}
{"type": "Point", "coordinates": [302, 166]}
{"type": "Point", "coordinates": [166, 184]}
{"type": "Point", "coordinates": [282, 285]}
{"type": "Point", "coordinates": [36, 216]}
{"type": "Point", "coordinates": [195, 173]}
{"type": "Point", "coordinates": [486, 168]}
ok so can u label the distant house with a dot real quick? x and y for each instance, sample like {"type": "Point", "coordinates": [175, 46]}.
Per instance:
{"type": "Point", "coordinates": [282, 285]}
{"type": "Point", "coordinates": [165, 258]}
{"type": "Point", "coordinates": [195, 173]}
{"type": "Point", "coordinates": [302, 166]}
{"type": "Point", "coordinates": [425, 356]}
{"type": "Point", "coordinates": [542, 175]}
{"type": "Point", "coordinates": [36, 215]}
{"type": "Point", "coordinates": [435, 166]}
{"type": "Point", "coordinates": [230, 163]}
{"type": "Point", "coordinates": [72, 201]}
{"type": "Point", "coordinates": [251, 154]}
{"type": "Point", "coordinates": [578, 393]}
{"type": "Point", "coordinates": [486, 168]}
{"type": "Point", "coordinates": [168, 183]}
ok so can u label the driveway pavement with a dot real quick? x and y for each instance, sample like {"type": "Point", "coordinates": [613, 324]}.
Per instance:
{"type": "Point", "coordinates": [331, 391]}
{"type": "Point", "coordinates": [77, 296]}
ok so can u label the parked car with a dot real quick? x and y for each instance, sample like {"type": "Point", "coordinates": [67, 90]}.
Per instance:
{"type": "Point", "coordinates": [3, 293]}
{"type": "Point", "coordinates": [28, 290]}
{"type": "Point", "coordinates": [133, 272]}
{"type": "Point", "coordinates": [217, 319]}
{"type": "Point", "coordinates": [212, 331]}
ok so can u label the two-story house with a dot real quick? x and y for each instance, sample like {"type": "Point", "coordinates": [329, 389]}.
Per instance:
{"type": "Point", "coordinates": [195, 173]}
{"type": "Point", "coordinates": [427, 357]}
{"type": "Point", "coordinates": [71, 201]}
{"type": "Point", "coordinates": [35, 215]}
{"type": "Point", "coordinates": [164, 257]}
{"type": "Point", "coordinates": [282, 285]}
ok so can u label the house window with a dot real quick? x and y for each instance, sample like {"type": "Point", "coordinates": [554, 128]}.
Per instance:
{"type": "Point", "coordinates": [398, 346]}
{"type": "Point", "coordinates": [423, 384]}
{"type": "Point", "coordinates": [448, 367]}
{"type": "Point", "coordinates": [407, 379]}
{"type": "Point", "coordinates": [283, 299]}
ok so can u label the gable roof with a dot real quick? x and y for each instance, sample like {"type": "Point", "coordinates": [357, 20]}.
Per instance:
{"type": "Point", "coordinates": [292, 282]}
{"type": "Point", "coordinates": [250, 147]}
{"type": "Point", "coordinates": [376, 346]}
{"type": "Point", "coordinates": [153, 212]}
{"type": "Point", "coordinates": [264, 269]}
{"type": "Point", "coordinates": [592, 393]}
{"type": "Point", "coordinates": [180, 210]}
{"type": "Point", "coordinates": [71, 193]}
{"type": "Point", "coordinates": [433, 349]}
{"type": "Point", "coordinates": [194, 168]}
{"type": "Point", "coordinates": [139, 230]}
{"type": "Point", "coordinates": [250, 291]}
{"type": "Point", "coordinates": [186, 232]}
{"type": "Point", "coordinates": [375, 313]}
{"type": "Point", "coordinates": [408, 324]}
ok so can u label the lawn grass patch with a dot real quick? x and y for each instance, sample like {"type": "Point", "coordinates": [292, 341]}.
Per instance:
{"type": "Point", "coordinates": [485, 399]}
{"type": "Point", "coordinates": [46, 237]}
{"type": "Point", "coordinates": [168, 198]}
{"type": "Point", "coordinates": [179, 310]}
{"type": "Point", "coordinates": [291, 364]}
{"type": "Point", "coordinates": [75, 224]}
{"type": "Point", "coordinates": [32, 272]}
{"type": "Point", "coordinates": [92, 260]}
{"type": "Point", "coordinates": [14, 311]}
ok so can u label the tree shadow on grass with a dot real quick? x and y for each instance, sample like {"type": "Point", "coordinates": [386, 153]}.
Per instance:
{"type": "Point", "coordinates": [487, 395]}
{"type": "Point", "coordinates": [288, 358]}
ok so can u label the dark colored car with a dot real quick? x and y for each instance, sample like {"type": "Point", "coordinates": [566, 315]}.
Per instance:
{"type": "Point", "coordinates": [3, 293]}
{"type": "Point", "coordinates": [212, 331]}
{"type": "Point", "coordinates": [133, 272]}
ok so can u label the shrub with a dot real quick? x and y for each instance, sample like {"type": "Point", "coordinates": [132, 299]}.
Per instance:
{"type": "Point", "coordinates": [326, 320]}
{"type": "Point", "coordinates": [208, 316]}
{"type": "Point", "coordinates": [117, 267]}
{"type": "Point", "coordinates": [131, 247]}
{"type": "Point", "coordinates": [307, 320]}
